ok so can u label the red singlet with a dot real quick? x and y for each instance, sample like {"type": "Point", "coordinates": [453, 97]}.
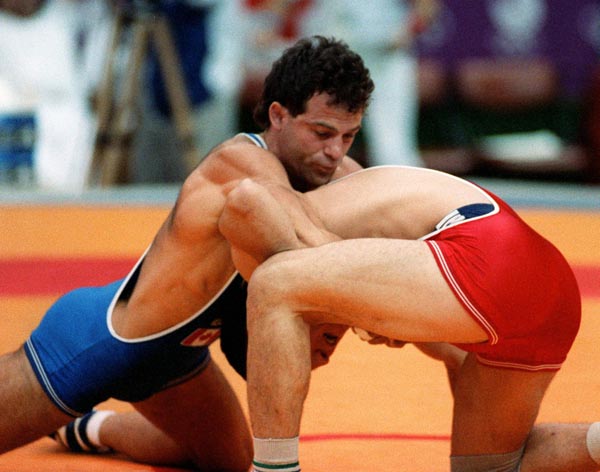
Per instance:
{"type": "Point", "coordinates": [515, 284]}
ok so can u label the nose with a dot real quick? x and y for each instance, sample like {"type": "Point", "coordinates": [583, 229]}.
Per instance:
{"type": "Point", "coordinates": [335, 149]}
{"type": "Point", "coordinates": [327, 351]}
{"type": "Point", "coordinates": [319, 359]}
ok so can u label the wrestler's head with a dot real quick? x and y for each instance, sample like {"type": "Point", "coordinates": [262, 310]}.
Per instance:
{"type": "Point", "coordinates": [312, 106]}
{"type": "Point", "coordinates": [324, 338]}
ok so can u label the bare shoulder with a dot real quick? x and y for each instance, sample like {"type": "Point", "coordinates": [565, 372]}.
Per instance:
{"type": "Point", "coordinates": [373, 185]}
{"type": "Point", "coordinates": [406, 176]}
{"type": "Point", "coordinates": [237, 159]}
{"type": "Point", "coordinates": [203, 194]}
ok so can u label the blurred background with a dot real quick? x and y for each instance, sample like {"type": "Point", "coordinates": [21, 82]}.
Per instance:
{"type": "Point", "coordinates": [108, 92]}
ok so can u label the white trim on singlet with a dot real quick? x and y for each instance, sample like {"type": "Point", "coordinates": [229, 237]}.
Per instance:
{"type": "Point", "coordinates": [256, 139]}
{"type": "Point", "coordinates": [516, 365]}
{"type": "Point", "coordinates": [260, 142]}
{"type": "Point", "coordinates": [110, 310]}
{"type": "Point", "coordinates": [445, 223]}
{"type": "Point", "coordinates": [458, 291]}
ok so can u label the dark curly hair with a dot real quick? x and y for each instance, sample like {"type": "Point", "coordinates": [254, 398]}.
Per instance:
{"type": "Point", "coordinates": [315, 65]}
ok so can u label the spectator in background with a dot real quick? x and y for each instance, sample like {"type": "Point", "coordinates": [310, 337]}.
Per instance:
{"type": "Point", "coordinates": [218, 118]}
{"type": "Point", "coordinates": [226, 47]}
{"type": "Point", "coordinates": [50, 52]}
{"type": "Point", "coordinates": [383, 33]}
{"type": "Point", "coordinates": [266, 29]}
{"type": "Point", "coordinates": [206, 36]}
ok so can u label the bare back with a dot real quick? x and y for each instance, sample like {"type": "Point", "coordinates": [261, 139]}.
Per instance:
{"type": "Point", "coordinates": [391, 202]}
{"type": "Point", "coordinates": [189, 261]}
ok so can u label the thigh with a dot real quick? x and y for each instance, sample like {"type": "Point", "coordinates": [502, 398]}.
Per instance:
{"type": "Point", "coordinates": [204, 417]}
{"type": "Point", "coordinates": [26, 413]}
{"type": "Point", "coordinates": [494, 408]}
{"type": "Point", "coordinates": [387, 286]}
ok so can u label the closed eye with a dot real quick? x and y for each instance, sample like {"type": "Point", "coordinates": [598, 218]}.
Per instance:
{"type": "Point", "coordinates": [323, 134]}
{"type": "Point", "coordinates": [331, 339]}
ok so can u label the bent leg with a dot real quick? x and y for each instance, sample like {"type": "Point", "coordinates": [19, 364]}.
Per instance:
{"type": "Point", "coordinates": [494, 413]}
{"type": "Point", "coordinates": [558, 447]}
{"type": "Point", "coordinates": [494, 408]}
{"type": "Point", "coordinates": [279, 365]}
{"type": "Point", "coordinates": [27, 413]}
{"type": "Point", "coordinates": [203, 422]}
{"type": "Point", "coordinates": [389, 287]}
{"type": "Point", "coordinates": [126, 433]}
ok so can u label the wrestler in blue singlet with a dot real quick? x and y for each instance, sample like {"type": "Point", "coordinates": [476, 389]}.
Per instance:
{"type": "Point", "coordinates": [80, 361]}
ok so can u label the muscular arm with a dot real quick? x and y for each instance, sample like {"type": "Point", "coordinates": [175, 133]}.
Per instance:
{"type": "Point", "coordinates": [204, 193]}
{"type": "Point", "coordinates": [450, 355]}
{"type": "Point", "coordinates": [255, 225]}
{"type": "Point", "coordinates": [260, 220]}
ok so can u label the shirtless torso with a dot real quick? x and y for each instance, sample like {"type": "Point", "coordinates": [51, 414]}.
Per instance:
{"type": "Point", "coordinates": [189, 259]}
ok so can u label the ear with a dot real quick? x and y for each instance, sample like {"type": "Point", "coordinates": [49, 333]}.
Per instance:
{"type": "Point", "coordinates": [277, 115]}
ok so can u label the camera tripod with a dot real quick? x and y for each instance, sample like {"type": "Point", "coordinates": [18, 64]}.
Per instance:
{"type": "Point", "coordinates": [118, 116]}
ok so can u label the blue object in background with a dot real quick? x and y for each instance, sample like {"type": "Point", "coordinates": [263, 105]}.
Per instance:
{"type": "Point", "coordinates": [17, 140]}
{"type": "Point", "coordinates": [188, 29]}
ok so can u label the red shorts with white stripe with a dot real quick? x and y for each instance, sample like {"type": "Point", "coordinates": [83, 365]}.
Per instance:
{"type": "Point", "coordinates": [515, 284]}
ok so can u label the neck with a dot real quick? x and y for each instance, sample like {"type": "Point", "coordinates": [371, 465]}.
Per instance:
{"type": "Point", "coordinates": [271, 142]}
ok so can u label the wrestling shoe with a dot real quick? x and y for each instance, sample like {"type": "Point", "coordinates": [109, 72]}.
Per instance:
{"type": "Point", "coordinates": [74, 436]}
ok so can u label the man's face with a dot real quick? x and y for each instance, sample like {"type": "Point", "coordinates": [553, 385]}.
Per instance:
{"type": "Point", "coordinates": [323, 341]}
{"type": "Point", "coordinates": [312, 145]}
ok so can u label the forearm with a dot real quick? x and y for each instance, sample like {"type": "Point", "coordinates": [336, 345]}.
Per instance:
{"type": "Point", "coordinates": [262, 220]}
{"type": "Point", "coordinates": [450, 355]}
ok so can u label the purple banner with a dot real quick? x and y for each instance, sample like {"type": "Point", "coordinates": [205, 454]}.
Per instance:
{"type": "Point", "coordinates": [565, 31]}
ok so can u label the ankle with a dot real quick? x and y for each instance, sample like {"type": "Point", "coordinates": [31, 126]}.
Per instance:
{"type": "Point", "coordinates": [276, 455]}
{"type": "Point", "coordinates": [94, 426]}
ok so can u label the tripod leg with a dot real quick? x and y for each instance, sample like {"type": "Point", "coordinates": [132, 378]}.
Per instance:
{"type": "Point", "coordinates": [124, 120]}
{"type": "Point", "coordinates": [176, 91]}
{"type": "Point", "coordinates": [104, 102]}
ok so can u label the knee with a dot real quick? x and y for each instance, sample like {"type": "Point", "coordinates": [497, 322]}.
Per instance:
{"type": "Point", "coordinates": [243, 458]}
{"type": "Point", "coordinates": [228, 450]}
{"type": "Point", "coordinates": [270, 286]}
{"type": "Point", "coordinates": [234, 456]}
{"type": "Point", "coordinates": [237, 459]}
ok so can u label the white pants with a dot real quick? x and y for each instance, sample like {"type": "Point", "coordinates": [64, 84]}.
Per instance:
{"type": "Point", "coordinates": [391, 119]}
{"type": "Point", "coordinates": [43, 62]}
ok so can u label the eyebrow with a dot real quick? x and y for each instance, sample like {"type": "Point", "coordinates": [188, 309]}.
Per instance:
{"type": "Point", "coordinates": [331, 127]}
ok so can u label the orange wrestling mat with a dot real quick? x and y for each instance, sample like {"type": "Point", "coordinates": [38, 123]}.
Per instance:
{"type": "Point", "coordinates": [372, 409]}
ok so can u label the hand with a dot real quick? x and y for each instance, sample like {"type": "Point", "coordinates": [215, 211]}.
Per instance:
{"type": "Point", "coordinates": [375, 339]}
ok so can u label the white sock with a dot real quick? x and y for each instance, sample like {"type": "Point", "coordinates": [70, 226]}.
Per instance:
{"type": "Point", "coordinates": [276, 455]}
{"type": "Point", "coordinates": [93, 427]}
{"type": "Point", "coordinates": [593, 442]}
